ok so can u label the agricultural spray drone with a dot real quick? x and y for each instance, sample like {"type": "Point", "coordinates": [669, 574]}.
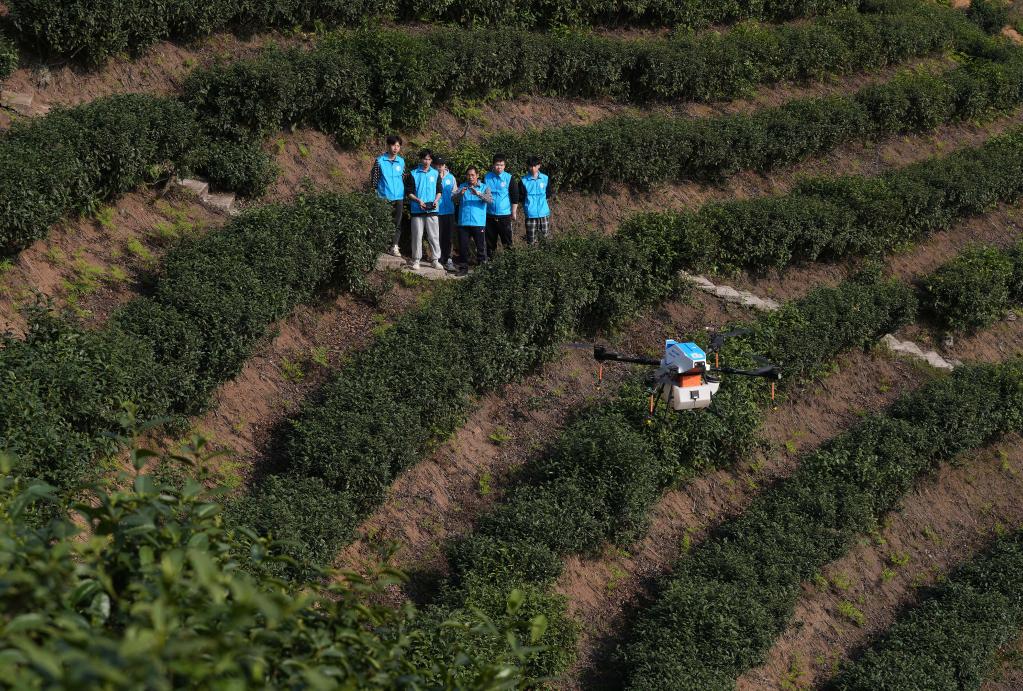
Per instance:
{"type": "Point", "coordinates": [684, 379]}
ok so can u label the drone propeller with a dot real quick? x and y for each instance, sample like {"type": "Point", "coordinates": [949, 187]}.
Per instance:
{"type": "Point", "coordinates": [717, 341]}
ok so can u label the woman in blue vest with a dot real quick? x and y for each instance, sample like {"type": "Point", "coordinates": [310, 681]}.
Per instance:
{"type": "Point", "coordinates": [387, 179]}
{"type": "Point", "coordinates": [503, 210]}
{"type": "Point", "coordinates": [446, 213]}
{"type": "Point", "coordinates": [533, 193]}
{"type": "Point", "coordinates": [472, 197]}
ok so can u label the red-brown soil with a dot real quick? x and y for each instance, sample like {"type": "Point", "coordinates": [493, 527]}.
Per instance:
{"type": "Point", "coordinates": [90, 265]}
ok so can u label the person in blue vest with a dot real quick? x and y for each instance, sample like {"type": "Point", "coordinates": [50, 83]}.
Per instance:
{"type": "Point", "coordinates": [472, 197]}
{"type": "Point", "coordinates": [387, 179]}
{"type": "Point", "coordinates": [504, 209]}
{"type": "Point", "coordinates": [446, 213]}
{"type": "Point", "coordinates": [423, 190]}
{"type": "Point", "coordinates": [533, 189]}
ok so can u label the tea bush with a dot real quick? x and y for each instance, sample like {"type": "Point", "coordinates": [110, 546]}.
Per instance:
{"type": "Point", "coordinates": [727, 600]}
{"type": "Point", "coordinates": [827, 218]}
{"type": "Point", "coordinates": [643, 150]}
{"type": "Point", "coordinates": [976, 288]}
{"type": "Point", "coordinates": [216, 295]}
{"type": "Point", "coordinates": [8, 57]}
{"type": "Point", "coordinates": [952, 637]}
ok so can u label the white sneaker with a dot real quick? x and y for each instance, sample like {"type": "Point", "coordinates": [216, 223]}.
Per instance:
{"type": "Point", "coordinates": [437, 265]}
{"type": "Point", "coordinates": [395, 251]}
{"type": "Point", "coordinates": [450, 266]}
{"type": "Point", "coordinates": [415, 266]}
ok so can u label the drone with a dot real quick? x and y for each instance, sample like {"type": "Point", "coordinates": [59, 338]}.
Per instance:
{"type": "Point", "coordinates": [684, 380]}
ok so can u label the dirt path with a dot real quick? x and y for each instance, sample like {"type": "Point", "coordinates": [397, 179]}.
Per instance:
{"type": "Point", "coordinates": [605, 592]}
{"type": "Point", "coordinates": [941, 523]}
{"type": "Point", "coordinates": [442, 495]}
{"type": "Point", "coordinates": [1008, 674]}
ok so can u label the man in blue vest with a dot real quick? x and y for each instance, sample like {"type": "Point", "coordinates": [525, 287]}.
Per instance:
{"type": "Point", "coordinates": [472, 198]}
{"type": "Point", "coordinates": [423, 189]}
{"type": "Point", "coordinates": [533, 193]}
{"type": "Point", "coordinates": [387, 179]}
{"type": "Point", "coordinates": [446, 213]}
{"type": "Point", "coordinates": [504, 209]}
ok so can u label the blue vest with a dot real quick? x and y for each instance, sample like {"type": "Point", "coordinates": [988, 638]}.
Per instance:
{"type": "Point", "coordinates": [472, 211]}
{"type": "Point", "coordinates": [446, 206]}
{"type": "Point", "coordinates": [500, 186]}
{"type": "Point", "coordinates": [426, 188]}
{"type": "Point", "coordinates": [536, 196]}
{"type": "Point", "coordinates": [391, 186]}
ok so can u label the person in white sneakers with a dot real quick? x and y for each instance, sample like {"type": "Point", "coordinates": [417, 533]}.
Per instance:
{"type": "Point", "coordinates": [423, 190]}
{"type": "Point", "coordinates": [446, 213]}
{"type": "Point", "coordinates": [386, 180]}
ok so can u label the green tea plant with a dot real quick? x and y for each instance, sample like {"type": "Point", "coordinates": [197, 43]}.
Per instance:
{"type": "Point", "coordinates": [143, 585]}
{"type": "Point", "coordinates": [726, 601]}
{"type": "Point", "coordinates": [8, 57]}
{"type": "Point", "coordinates": [976, 288]}
{"type": "Point", "coordinates": [951, 638]}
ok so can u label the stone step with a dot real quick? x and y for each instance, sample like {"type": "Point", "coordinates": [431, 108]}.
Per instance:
{"type": "Point", "coordinates": [20, 103]}
{"type": "Point", "coordinates": [388, 262]}
{"type": "Point", "coordinates": [221, 201]}
{"type": "Point", "coordinates": [199, 188]}
{"type": "Point", "coordinates": [730, 294]}
{"type": "Point", "coordinates": [909, 348]}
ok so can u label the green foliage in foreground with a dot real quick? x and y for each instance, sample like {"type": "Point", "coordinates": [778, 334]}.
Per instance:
{"type": "Point", "coordinates": [143, 586]}
{"type": "Point", "coordinates": [952, 637]}
{"type": "Point", "coordinates": [725, 602]}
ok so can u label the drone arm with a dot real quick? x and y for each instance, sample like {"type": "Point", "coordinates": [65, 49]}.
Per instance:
{"type": "Point", "coordinates": [602, 355]}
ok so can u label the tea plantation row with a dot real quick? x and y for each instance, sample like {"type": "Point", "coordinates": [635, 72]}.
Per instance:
{"type": "Point", "coordinates": [341, 452]}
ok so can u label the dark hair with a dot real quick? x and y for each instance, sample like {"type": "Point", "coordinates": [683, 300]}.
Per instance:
{"type": "Point", "coordinates": [473, 169]}
{"type": "Point", "coordinates": [441, 161]}
{"type": "Point", "coordinates": [424, 153]}
{"type": "Point", "coordinates": [532, 161]}
{"type": "Point", "coordinates": [499, 158]}
{"type": "Point", "coordinates": [393, 139]}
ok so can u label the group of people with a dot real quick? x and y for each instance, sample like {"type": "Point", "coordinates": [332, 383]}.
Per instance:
{"type": "Point", "coordinates": [479, 212]}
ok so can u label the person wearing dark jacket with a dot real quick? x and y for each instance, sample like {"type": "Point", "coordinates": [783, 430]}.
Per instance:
{"type": "Point", "coordinates": [533, 187]}
{"type": "Point", "coordinates": [385, 178]}
{"type": "Point", "coordinates": [472, 197]}
{"type": "Point", "coordinates": [504, 209]}
{"type": "Point", "coordinates": [446, 213]}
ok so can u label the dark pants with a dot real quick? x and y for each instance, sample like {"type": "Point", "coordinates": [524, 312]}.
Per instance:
{"type": "Point", "coordinates": [498, 227]}
{"type": "Point", "coordinates": [475, 234]}
{"type": "Point", "coordinates": [447, 229]}
{"type": "Point", "coordinates": [397, 207]}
